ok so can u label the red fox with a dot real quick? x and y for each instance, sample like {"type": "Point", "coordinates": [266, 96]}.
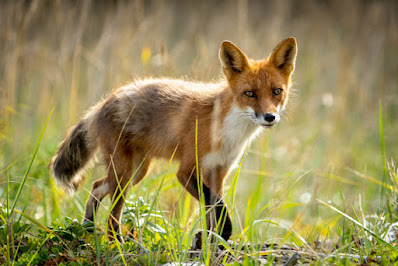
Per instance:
{"type": "Point", "coordinates": [156, 118]}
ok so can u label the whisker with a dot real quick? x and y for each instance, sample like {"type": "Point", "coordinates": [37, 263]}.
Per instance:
{"type": "Point", "coordinates": [286, 115]}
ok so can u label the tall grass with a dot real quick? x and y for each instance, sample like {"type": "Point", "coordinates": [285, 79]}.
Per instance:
{"type": "Point", "coordinates": [65, 56]}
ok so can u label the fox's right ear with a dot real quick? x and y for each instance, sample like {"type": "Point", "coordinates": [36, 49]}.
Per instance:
{"type": "Point", "coordinates": [284, 56]}
{"type": "Point", "coordinates": [233, 60]}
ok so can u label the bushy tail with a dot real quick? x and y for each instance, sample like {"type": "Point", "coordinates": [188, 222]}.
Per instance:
{"type": "Point", "coordinates": [72, 156]}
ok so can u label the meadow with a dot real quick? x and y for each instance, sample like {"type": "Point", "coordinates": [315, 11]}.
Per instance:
{"type": "Point", "coordinates": [324, 181]}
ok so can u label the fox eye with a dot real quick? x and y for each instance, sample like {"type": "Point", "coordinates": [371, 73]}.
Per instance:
{"type": "Point", "coordinates": [277, 91]}
{"type": "Point", "coordinates": [250, 94]}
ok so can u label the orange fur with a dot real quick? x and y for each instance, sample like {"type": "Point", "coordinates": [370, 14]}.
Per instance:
{"type": "Point", "coordinates": [152, 118]}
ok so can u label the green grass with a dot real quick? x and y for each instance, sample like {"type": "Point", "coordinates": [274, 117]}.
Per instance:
{"type": "Point", "coordinates": [324, 180]}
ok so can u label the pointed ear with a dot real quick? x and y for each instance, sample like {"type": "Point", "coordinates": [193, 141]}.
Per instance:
{"type": "Point", "coordinates": [284, 56]}
{"type": "Point", "coordinates": [233, 60]}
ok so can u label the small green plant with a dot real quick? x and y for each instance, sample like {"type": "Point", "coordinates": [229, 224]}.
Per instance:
{"type": "Point", "coordinates": [140, 219]}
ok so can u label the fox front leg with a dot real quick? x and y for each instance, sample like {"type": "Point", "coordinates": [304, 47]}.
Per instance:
{"type": "Point", "coordinates": [222, 222]}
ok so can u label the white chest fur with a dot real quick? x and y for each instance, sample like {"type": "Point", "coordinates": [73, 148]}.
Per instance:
{"type": "Point", "coordinates": [237, 130]}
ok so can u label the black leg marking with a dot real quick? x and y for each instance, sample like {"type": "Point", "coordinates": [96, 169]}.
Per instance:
{"type": "Point", "coordinates": [222, 216]}
{"type": "Point", "coordinates": [212, 200]}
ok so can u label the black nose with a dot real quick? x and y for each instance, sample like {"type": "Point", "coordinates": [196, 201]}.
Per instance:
{"type": "Point", "coordinates": [269, 117]}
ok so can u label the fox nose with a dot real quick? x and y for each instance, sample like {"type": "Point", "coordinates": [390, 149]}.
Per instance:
{"type": "Point", "coordinates": [269, 117]}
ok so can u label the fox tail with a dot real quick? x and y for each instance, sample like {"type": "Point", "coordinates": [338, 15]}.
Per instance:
{"type": "Point", "coordinates": [73, 156]}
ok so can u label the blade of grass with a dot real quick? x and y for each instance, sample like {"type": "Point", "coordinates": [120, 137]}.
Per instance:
{"type": "Point", "coordinates": [55, 213]}
{"type": "Point", "coordinates": [169, 243]}
{"type": "Point", "coordinates": [96, 241]}
{"type": "Point", "coordinates": [383, 151]}
{"type": "Point", "coordinates": [30, 164]}
{"type": "Point", "coordinates": [231, 195]}
{"type": "Point", "coordinates": [232, 191]}
{"type": "Point", "coordinates": [290, 231]}
{"type": "Point", "coordinates": [117, 244]}
{"type": "Point", "coordinates": [374, 180]}
{"type": "Point", "coordinates": [6, 223]}
{"type": "Point", "coordinates": [249, 226]}
{"type": "Point", "coordinates": [8, 196]}
{"type": "Point", "coordinates": [8, 167]}
{"type": "Point", "coordinates": [33, 220]}
{"type": "Point", "coordinates": [159, 188]}
{"type": "Point", "coordinates": [393, 172]}
{"type": "Point", "coordinates": [16, 253]}
{"type": "Point", "coordinates": [9, 223]}
{"type": "Point", "coordinates": [44, 202]}
{"type": "Point", "coordinates": [186, 210]}
{"type": "Point", "coordinates": [42, 244]}
{"type": "Point", "coordinates": [107, 259]}
{"type": "Point", "coordinates": [249, 216]}
{"type": "Point", "coordinates": [202, 203]}
{"type": "Point", "coordinates": [340, 179]}
{"type": "Point", "coordinates": [8, 250]}
{"type": "Point", "coordinates": [254, 198]}
{"type": "Point", "coordinates": [359, 224]}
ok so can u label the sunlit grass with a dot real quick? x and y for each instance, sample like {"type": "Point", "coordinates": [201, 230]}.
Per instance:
{"type": "Point", "coordinates": [338, 144]}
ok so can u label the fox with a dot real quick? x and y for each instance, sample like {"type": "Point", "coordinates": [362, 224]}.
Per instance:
{"type": "Point", "coordinates": [200, 125]}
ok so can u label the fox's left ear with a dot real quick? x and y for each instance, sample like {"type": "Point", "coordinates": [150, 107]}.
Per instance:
{"type": "Point", "coordinates": [284, 56]}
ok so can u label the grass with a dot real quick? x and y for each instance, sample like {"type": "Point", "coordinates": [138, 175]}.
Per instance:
{"type": "Point", "coordinates": [324, 181]}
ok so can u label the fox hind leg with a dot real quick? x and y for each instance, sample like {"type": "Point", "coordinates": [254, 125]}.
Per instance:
{"type": "Point", "coordinates": [99, 191]}
{"type": "Point", "coordinates": [128, 172]}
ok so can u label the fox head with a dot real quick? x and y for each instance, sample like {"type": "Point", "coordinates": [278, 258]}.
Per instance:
{"type": "Point", "coordinates": [260, 87]}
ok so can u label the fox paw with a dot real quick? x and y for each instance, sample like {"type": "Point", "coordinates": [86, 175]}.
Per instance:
{"type": "Point", "coordinates": [197, 241]}
{"type": "Point", "coordinates": [119, 238]}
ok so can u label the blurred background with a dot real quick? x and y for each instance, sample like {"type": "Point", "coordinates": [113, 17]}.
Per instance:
{"type": "Point", "coordinates": [67, 55]}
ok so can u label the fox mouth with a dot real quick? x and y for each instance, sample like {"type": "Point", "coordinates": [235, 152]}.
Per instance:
{"type": "Point", "coordinates": [268, 125]}
{"type": "Point", "coordinates": [262, 124]}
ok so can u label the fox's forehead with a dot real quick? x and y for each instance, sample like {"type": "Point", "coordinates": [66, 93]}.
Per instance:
{"type": "Point", "coordinates": [263, 75]}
